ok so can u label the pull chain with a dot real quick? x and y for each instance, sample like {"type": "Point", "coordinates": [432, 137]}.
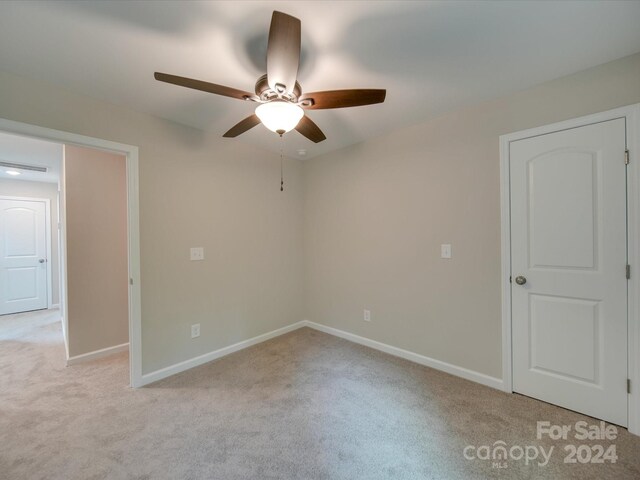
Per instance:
{"type": "Point", "coordinates": [281, 168]}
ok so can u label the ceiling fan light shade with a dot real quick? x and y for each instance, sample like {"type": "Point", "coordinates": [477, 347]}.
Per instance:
{"type": "Point", "coordinates": [278, 116]}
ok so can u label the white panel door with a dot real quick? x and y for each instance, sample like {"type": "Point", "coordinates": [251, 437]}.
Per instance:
{"type": "Point", "coordinates": [23, 246]}
{"type": "Point", "coordinates": [568, 241]}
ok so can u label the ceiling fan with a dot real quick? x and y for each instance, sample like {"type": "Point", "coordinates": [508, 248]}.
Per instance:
{"type": "Point", "coordinates": [279, 95]}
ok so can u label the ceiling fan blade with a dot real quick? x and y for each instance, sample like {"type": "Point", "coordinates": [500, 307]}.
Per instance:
{"type": "Point", "coordinates": [342, 98]}
{"type": "Point", "coordinates": [309, 129]}
{"type": "Point", "coordinates": [283, 52]}
{"type": "Point", "coordinates": [203, 86]}
{"type": "Point", "coordinates": [241, 127]}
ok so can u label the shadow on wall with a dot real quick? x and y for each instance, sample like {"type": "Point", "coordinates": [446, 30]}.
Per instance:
{"type": "Point", "coordinates": [97, 265]}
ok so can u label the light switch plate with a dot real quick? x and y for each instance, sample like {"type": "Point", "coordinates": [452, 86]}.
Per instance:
{"type": "Point", "coordinates": [367, 315]}
{"type": "Point", "coordinates": [445, 250]}
{"type": "Point", "coordinates": [197, 253]}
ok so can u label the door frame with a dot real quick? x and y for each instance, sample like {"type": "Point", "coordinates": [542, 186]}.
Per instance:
{"type": "Point", "coordinates": [133, 225]}
{"type": "Point", "coordinates": [631, 114]}
{"type": "Point", "coordinates": [47, 236]}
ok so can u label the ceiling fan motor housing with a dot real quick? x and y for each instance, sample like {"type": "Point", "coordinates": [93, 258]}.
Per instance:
{"type": "Point", "coordinates": [266, 93]}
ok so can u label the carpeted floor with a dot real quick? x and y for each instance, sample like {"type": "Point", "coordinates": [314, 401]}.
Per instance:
{"type": "Point", "coordinates": [302, 406]}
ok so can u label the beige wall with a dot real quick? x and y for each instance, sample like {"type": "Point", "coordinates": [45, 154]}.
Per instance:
{"type": "Point", "coordinates": [196, 190]}
{"type": "Point", "coordinates": [374, 217]}
{"type": "Point", "coordinates": [22, 188]}
{"type": "Point", "coordinates": [376, 214]}
{"type": "Point", "coordinates": [97, 267]}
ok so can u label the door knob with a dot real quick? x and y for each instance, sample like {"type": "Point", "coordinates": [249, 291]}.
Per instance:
{"type": "Point", "coordinates": [41, 260]}
{"type": "Point", "coordinates": [520, 280]}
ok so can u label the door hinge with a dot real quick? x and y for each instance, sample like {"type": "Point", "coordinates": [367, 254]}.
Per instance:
{"type": "Point", "coordinates": [509, 279]}
{"type": "Point", "coordinates": [626, 157]}
{"type": "Point", "coordinates": [131, 281]}
{"type": "Point", "coordinates": [628, 385]}
{"type": "Point", "coordinates": [628, 272]}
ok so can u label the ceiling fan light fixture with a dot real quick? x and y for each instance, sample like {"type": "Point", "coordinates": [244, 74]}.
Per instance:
{"type": "Point", "coordinates": [279, 116]}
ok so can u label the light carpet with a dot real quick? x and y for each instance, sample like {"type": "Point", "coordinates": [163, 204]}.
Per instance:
{"type": "Point", "coordinates": [305, 405]}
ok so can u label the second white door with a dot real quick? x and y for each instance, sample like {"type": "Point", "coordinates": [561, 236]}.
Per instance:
{"type": "Point", "coordinates": [569, 257]}
{"type": "Point", "coordinates": [23, 248]}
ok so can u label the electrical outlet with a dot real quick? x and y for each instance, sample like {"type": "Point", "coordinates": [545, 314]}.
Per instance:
{"type": "Point", "coordinates": [195, 330]}
{"type": "Point", "coordinates": [367, 315]}
{"type": "Point", "coordinates": [197, 253]}
{"type": "Point", "coordinates": [445, 250]}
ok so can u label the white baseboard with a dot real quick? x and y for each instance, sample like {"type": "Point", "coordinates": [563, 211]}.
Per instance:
{"type": "Point", "coordinates": [104, 352]}
{"type": "Point", "coordinates": [208, 357]}
{"type": "Point", "coordinates": [465, 373]}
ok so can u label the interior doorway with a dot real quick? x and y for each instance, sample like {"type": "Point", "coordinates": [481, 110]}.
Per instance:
{"type": "Point", "coordinates": [80, 257]}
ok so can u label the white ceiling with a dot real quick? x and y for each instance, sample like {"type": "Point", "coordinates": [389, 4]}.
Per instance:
{"type": "Point", "coordinates": [29, 151]}
{"type": "Point", "coordinates": [431, 57]}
